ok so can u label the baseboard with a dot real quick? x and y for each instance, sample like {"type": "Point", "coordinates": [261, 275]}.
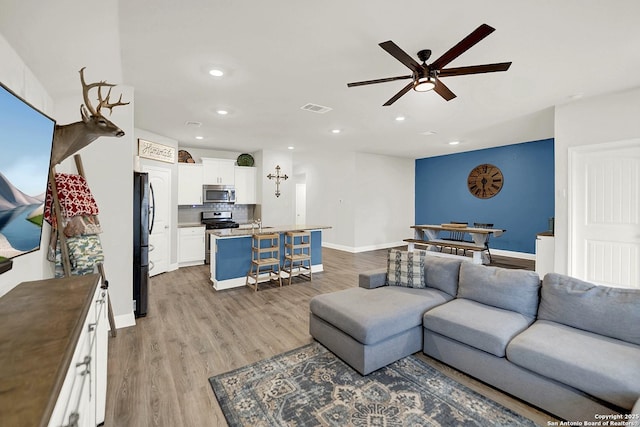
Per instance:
{"type": "Point", "coordinates": [125, 320]}
{"type": "Point", "coordinates": [359, 249]}
{"type": "Point", "coordinates": [513, 254]}
{"type": "Point", "coordinates": [351, 249]}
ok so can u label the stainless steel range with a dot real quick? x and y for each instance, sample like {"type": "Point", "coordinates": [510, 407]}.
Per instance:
{"type": "Point", "coordinates": [215, 220]}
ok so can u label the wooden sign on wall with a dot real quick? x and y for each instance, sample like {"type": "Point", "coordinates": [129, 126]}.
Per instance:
{"type": "Point", "coordinates": [155, 151]}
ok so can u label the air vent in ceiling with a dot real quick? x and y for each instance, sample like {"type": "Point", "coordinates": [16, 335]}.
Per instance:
{"type": "Point", "coordinates": [193, 124]}
{"type": "Point", "coordinates": [315, 108]}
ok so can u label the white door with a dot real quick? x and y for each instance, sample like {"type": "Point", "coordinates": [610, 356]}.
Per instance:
{"type": "Point", "coordinates": [160, 237]}
{"type": "Point", "coordinates": [301, 204]}
{"type": "Point", "coordinates": [604, 238]}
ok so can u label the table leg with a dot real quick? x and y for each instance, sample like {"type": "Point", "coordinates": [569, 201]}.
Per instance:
{"type": "Point", "coordinates": [480, 240]}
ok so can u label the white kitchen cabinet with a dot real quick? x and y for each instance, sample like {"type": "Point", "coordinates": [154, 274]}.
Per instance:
{"type": "Point", "coordinates": [245, 183]}
{"type": "Point", "coordinates": [191, 246]}
{"type": "Point", "coordinates": [190, 180]}
{"type": "Point", "coordinates": [545, 254]}
{"type": "Point", "coordinates": [218, 171]}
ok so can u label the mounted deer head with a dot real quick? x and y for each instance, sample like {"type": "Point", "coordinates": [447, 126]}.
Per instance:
{"type": "Point", "coordinates": [68, 139]}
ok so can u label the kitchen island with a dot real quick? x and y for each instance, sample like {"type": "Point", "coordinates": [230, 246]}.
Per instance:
{"type": "Point", "coordinates": [231, 252]}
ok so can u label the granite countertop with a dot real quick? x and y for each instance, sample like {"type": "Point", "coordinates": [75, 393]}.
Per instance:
{"type": "Point", "coordinates": [41, 323]}
{"type": "Point", "coordinates": [243, 232]}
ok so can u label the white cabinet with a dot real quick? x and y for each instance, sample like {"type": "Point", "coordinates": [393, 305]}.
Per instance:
{"type": "Point", "coordinates": [545, 254]}
{"type": "Point", "coordinates": [82, 399]}
{"type": "Point", "coordinates": [190, 246]}
{"type": "Point", "coordinates": [245, 178]}
{"type": "Point", "coordinates": [218, 171]}
{"type": "Point", "coordinates": [190, 180]}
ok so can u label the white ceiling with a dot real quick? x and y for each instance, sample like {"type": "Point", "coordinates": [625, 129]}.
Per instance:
{"type": "Point", "coordinates": [282, 54]}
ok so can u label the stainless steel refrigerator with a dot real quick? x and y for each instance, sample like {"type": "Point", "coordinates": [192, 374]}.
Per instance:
{"type": "Point", "coordinates": [142, 226]}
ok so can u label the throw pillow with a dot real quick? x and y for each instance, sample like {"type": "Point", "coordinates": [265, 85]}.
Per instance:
{"type": "Point", "coordinates": [406, 268]}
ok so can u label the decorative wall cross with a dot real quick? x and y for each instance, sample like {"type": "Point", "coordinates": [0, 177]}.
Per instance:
{"type": "Point", "coordinates": [278, 177]}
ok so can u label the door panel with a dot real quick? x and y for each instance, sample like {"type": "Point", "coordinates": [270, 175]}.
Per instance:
{"type": "Point", "coordinates": [605, 246]}
{"type": "Point", "coordinates": [160, 237]}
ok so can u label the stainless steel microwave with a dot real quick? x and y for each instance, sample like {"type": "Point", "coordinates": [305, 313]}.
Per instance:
{"type": "Point", "coordinates": [218, 194]}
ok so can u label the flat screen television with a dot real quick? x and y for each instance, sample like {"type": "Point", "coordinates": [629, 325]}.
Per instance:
{"type": "Point", "coordinates": [26, 139]}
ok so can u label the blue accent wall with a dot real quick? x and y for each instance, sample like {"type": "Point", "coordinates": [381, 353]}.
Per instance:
{"type": "Point", "coordinates": [523, 206]}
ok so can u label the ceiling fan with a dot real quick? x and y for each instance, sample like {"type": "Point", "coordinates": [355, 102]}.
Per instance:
{"type": "Point", "coordinates": [427, 77]}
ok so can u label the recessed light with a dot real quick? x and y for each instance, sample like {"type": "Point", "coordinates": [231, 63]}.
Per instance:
{"type": "Point", "coordinates": [454, 142]}
{"type": "Point", "coordinates": [222, 112]}
{"type": "Point", "coordinates": [216, 72]}
{"type": "Point", "coordinates": [400, 119]}
{"type": "Point", "coordinates": [199, 137]}
{"type": "Point", "coordinates": [290, 147]}
{"type": "Point", "coordinates": [335, 131]}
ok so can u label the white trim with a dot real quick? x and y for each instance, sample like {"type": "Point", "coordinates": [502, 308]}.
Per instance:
{"type": "Point", "coordinates": [351, 249]}
{"type": "Point", "coordinates": [190, 263]}
{"type": "Point", "coordinates": [359, 249]}
{"type": "Point", "coordinates": [125, 320]}
{"type": "Point", "coordinates": [454, 256]}
{"type": "Point", "coordinates": [513, 254]}
{"type": "Point", "coordinates": [238, 282]}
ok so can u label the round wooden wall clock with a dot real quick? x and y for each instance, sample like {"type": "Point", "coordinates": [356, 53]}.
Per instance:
{"type": "Point", "coordinates": [485, 181]}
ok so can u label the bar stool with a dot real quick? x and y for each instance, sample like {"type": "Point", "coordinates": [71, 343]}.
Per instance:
{"type": "Point", "coordinates": [265, 258]}
{"type": "Point", "coordinates": [297, 254]}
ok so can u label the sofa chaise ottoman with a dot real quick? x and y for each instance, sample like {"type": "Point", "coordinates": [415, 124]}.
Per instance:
{"type": "Point", "coordinates": [369, 329]}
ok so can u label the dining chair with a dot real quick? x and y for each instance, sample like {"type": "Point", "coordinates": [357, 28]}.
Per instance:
{"type": "Point", "coordinates": [457, 236]}
{"type": "Point", "coordinates": [486, 242]}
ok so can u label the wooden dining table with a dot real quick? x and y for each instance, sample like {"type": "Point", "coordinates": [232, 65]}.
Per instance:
{"type": "Point", "coordinates": [428, 235]}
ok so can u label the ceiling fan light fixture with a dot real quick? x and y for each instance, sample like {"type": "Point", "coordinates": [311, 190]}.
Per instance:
{"type": "Point", "coordinates": [424, 84]}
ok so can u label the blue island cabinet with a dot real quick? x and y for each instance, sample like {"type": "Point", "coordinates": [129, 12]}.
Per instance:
{"type": "Point", "coordinates": [231, 258]}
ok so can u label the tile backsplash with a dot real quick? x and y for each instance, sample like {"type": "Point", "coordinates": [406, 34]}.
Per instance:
{"type": "Point", "coordinates": [191, 214]}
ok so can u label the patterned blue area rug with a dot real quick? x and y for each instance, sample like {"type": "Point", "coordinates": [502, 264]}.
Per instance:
{"type": "Point", "coordinates": [310, 386]}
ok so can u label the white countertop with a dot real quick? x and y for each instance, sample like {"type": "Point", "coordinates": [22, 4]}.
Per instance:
{"type": "Point", "coordinates": [243, 232]}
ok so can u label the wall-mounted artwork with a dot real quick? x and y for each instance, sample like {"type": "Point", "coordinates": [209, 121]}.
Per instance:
{"type": "Point", "coordinates": [26, 137]}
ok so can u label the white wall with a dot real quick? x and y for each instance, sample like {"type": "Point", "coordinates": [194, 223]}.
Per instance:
{"type": "Point", "coordinates": [15, 74]}
{"type": "Point", "coordinates": [108, 164]}
{"type": "Point", "coordinates": [275, 210]}
{"type": "Point", "coordinates": [385, 200]}
{"type": "Point", "coordinates": [607, 118]}
{"type": "Point", "coordinates": [153, 137]}
{"type": "Point", "coordinates": [367, 199]}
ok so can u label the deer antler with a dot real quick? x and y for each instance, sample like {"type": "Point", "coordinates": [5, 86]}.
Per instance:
{"type": "Point", "coordinates": [105, 102]}
{"type": "Point", "coordinates": [102, 102]}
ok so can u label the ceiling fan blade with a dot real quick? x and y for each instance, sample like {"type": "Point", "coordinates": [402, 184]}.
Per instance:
{"type": "Point", "coordinates": [442, 90]}
{"type": "Point", "coordinates": [463, 45]}
{"type": "Point", "coordinates": [369, 82]}
{"type": "Point", "coordinates": [401, 55]}
{"type": "Point", "coordinates": [474, 69]}
{"type": "Point", "coordinates": [397, 96]}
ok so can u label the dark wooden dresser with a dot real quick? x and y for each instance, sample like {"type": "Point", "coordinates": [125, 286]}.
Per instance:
{"type": "Point", "coordinates": [51, 347]}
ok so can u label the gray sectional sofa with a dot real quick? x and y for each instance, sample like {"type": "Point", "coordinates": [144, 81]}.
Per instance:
{"type": "Point", "coordinates": [566, 346]}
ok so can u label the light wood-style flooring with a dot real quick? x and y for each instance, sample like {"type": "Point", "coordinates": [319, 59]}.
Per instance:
{"type": "Point", "coordinates": [159, 369]}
